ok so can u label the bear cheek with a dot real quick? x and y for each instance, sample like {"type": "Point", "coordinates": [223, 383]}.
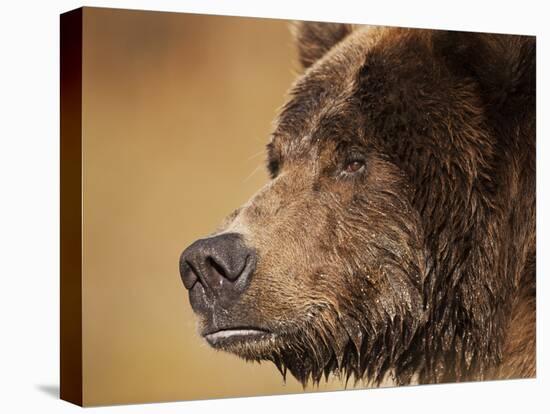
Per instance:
{"type": "Point", "coordinates": [287, 283]}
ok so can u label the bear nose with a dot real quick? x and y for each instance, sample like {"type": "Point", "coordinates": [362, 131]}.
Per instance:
{"type": "Point", "coordinates": [222, 265]}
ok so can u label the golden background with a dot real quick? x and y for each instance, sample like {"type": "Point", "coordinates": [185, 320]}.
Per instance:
{"type": "Point", "coordinates": [177, 109]}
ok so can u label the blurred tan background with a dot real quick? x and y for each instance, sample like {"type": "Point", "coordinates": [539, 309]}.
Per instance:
{"type": "Point", "coordinates": [177, 112]}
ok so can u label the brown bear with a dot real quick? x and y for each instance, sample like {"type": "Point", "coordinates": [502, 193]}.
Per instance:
{"type": "Point", "coordinates": [396, 238]}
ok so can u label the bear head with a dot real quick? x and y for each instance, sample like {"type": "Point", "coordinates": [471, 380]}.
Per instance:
{"type": "Point", "coordinates": [362, 255]}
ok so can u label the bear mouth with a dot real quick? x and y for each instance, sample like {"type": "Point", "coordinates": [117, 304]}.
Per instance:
{"type": "Point", "coordinates": [232, 336]}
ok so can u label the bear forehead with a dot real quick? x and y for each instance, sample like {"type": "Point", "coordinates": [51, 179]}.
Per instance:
{"type": "Point", "coordinates": [323, 102]}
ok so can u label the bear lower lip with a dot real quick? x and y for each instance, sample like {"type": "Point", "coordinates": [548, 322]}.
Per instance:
{"type": "Point", "coordinates": [228, 336]}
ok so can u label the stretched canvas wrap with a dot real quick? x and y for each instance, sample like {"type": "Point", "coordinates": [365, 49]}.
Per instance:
{"type": "Point", "coordinates": [257, 206]}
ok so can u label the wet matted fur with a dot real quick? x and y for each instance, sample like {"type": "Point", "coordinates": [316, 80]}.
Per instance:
{"type": "Point", "coordinates": [396, 237]}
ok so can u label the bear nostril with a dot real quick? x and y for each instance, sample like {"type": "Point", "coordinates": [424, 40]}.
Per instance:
{"type": "Point", "coordinates": [218, 268]}
{"type": "Point", "coordinates": [188, 274]}
{"type": "Point", "coordinates": [231, 269]}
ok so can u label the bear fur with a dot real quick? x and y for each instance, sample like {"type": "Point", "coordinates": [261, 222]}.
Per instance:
{"type": "Point", "coordinates": [396, 238]}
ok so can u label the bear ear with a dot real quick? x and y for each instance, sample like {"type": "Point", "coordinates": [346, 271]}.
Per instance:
{"type": "Point", "coordinates": [314, 39]}
{"type": "Point", "coordinates": [503, 65]}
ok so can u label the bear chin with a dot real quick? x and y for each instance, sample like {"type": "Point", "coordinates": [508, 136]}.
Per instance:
{"type": "Point", "coordinates": [302, 350]}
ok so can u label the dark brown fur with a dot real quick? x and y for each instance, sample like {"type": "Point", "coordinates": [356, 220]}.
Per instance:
{"type": "Point", "coordinates": [421, 264]}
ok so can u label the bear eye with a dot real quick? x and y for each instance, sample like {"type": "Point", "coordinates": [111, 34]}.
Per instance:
{"type": "Point", "coordinates": [354, 166]}
{"type": "Point", "coordinates": [273, 168]}
{"type": "Point", "coordinates": [273, 161]}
